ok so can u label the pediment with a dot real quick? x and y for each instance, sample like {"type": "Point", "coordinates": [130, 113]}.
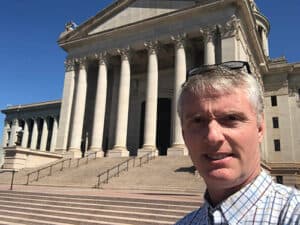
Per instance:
{"type": "Point", "coordinates": [122, 13]}
{"type": "Point", "coordinates": [141, 10]}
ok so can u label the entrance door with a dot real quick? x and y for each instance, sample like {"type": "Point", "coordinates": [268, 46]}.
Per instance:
{"type": "Point", "coordinates": [163, 125]}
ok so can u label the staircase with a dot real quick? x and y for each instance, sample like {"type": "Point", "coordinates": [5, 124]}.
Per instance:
{"type": "Point", "coordinates": [157, 193]}
{"type": "Point", "coordinates": [101, 207]}
{"type": "Point", "coordinates": [163, 174]}
{"type": "Point", "coordinates": [85, 175]}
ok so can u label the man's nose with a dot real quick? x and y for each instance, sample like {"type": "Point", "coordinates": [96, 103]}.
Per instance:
{"type": "Point", "coordinates": [214, 132]}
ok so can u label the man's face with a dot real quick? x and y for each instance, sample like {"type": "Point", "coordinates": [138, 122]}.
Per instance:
{"type": "Point", "coordinates": [223, 136]}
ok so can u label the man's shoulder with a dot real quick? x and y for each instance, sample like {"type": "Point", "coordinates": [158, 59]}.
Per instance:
{"type": "Point", "coordinates": [193, 217]}
{"type": "Point", "coordinates": [286, 193]}
{"type": "Point", "coordinates": [278, 191]}
{"type": "Point", "coordinates": [288, 199]}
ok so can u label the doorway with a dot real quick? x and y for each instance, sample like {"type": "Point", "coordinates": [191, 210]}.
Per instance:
{"type": "Point", "coordinates": [163, 125]}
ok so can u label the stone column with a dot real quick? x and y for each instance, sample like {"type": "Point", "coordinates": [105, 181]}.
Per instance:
{"type": "Point", "coordinates": [79, 109]}
{"type": "Point", "coordinates": [25, 135]}
{"type": "Point", "coordinates": [5, 134]}
{"type": "Point", "coordinates": [66, 107]}
{"type": "Point", "coordinates": [44, 137]}
{"type": "Point", "coordinates": [100, 104]}
{"type": "Point", "coordinates": [54, 135]}
{"type": "Point", "coordinates": [120, 149]}
{"type": "Point", "coordinates": [178, 146]}
{"type": "Point", "coordinates": [34, 135]}
{"type": "Point", "coordinates": [13, 133]}
{"type": "Point", "coordinates": [151, 101]}
{"type": "Point", "coordinates": [265, 42]}
{"type": "Point", "coordinates": [209, 47]}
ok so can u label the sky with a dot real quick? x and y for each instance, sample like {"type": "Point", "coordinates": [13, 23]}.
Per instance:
{"type": "Point", "coordinates": [32, 63]}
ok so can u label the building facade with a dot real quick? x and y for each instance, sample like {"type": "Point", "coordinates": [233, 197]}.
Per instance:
{"type": "Point", "coordinates": [125, 67]}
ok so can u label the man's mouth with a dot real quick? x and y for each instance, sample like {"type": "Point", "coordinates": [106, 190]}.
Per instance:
{"type": "Point", "coordinates": [218, 156]}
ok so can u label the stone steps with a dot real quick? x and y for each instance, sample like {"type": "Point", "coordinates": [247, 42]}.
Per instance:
{"type": "Point", "coordinates": [83, 176]}
{"type": "Point", "coordinates": [163, 174]}
{"type": "Point", "coordinates": [18, 207]}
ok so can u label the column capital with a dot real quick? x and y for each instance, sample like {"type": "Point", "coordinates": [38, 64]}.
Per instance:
{"type": "Point", "coordinates": [54, 117]}
{"type": "Point", "coordinates": [230, 28]}
{"type": "Point", "coordinates": [35, 118]}
{"type": "Point", "coordinates": [152, 47]}
{"type": "Point", "coordinates": [44, 117]}
{"type": "Point", "coordinates": [179, 40]}
{"type": "Point", "coordinates": [6, 121]}
{"type": "Point", "coordinates": [208, 33]}
{"type": "Point", "coordinates": [124, 53]}
{"type": "Point", "coordinates": [82, 62]}
{"type": "Point", "coordinates": [101, 57]}
{"type": "Point", "coordinates": [69, 65]}
{"type": "Point", "coordinates": [15, 121]}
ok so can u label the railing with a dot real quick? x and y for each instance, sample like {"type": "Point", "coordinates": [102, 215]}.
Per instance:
{"type": "Point", "coordinates": [297, 185]}
{"type": "Point", "coordinates": [115, 171]}
{"type": "Point", "coordinates": [12, 171]}
{"type": "Point", "coordinates": [60, 166]}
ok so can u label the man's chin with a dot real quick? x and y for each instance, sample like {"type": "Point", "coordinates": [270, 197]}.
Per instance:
{"type": "Point", "coordinates": [221, 178]}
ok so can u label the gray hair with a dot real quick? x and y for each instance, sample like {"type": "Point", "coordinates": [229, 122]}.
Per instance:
{"type": "Point", "coordinates": [220, 80]}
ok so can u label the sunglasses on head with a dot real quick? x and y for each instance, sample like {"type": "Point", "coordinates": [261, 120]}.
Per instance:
{"type": "Point", "coordinates": [231, 65]}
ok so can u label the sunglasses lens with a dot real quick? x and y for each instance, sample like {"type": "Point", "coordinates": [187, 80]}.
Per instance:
{"type": "Point", "coordinates": [232, 65]}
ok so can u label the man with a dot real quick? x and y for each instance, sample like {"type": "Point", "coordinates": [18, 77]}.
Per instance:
{"type": "Point", "coordinates": [221, 112]}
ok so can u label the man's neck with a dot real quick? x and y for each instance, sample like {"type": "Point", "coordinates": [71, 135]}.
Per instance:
{"type": "Point", "coordinates": [216, 195]}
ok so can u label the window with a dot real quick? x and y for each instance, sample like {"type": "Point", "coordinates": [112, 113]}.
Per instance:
{"type": "Point", "coordinates": [275, 122]}
{"type": "Point", "coordinates": [279, 179]}
{"type": "Point", "coordinates": [260, 32]}
{"type": "Point", "coordinates": [274, 100]}
{"type": "Point", "coordinates": [277, 145]}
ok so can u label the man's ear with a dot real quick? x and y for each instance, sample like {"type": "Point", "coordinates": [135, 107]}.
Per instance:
{"type": "Point", "coordinates": [183, 134]}
{"type": "Point", "coordinates": [261, 128]}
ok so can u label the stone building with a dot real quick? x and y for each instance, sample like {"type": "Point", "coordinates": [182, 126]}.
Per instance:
{"type": "Point", "coordinates": [123, 71]}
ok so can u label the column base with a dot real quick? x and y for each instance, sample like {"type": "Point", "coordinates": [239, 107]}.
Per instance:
{"type": "Point", "coordinates": [147, 149]}
{"type": "Point", "coordinates": [60, 151]}
{"type": "Point", "coordinates": [118, 152]}
{"type": "Point", "coordinates": [74, 153]}
{"type": "Point", "coordinates": [95, 151]}
{"type": "Point", "coordinates": [177, 150]}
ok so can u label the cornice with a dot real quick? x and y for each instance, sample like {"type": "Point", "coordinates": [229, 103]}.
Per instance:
{"type": "Point", "coordinates": [252, 36]}
{"type": "Point", "coordinates": [47, 104]}
{"type": "Point", "coordinates": [264, 20]}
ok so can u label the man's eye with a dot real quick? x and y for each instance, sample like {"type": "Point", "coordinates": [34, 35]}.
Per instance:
{"type": "Point", "coordinates": [230, 120]}
{"type": "Point", "coordinates": [198, 120]}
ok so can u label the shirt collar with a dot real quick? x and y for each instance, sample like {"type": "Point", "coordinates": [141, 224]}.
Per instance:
{"type": "Point", "coordinates": [236, 206]}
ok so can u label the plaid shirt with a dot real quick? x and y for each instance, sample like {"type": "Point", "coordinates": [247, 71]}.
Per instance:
{"type": "Point", "coordinates": [260, 202]}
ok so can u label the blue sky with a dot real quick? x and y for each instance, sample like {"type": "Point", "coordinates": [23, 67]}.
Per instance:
{"type": "Point", "coordinates": [32, 64]}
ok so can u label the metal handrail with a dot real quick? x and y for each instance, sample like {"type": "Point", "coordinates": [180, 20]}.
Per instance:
{"type": "Point", "coordinates": [116, 170]}
{"type": "Point", "coordinates": [13, 171]}
{"type": "Point", "coordinates": [62, 162]}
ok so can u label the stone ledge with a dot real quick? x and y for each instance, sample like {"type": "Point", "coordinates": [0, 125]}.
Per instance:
{"type": "Point", "coordinates": [19, 158]}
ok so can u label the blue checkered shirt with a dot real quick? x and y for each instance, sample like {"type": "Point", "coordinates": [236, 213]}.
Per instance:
{"type": "Point", "coordinates": [260, 202]}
